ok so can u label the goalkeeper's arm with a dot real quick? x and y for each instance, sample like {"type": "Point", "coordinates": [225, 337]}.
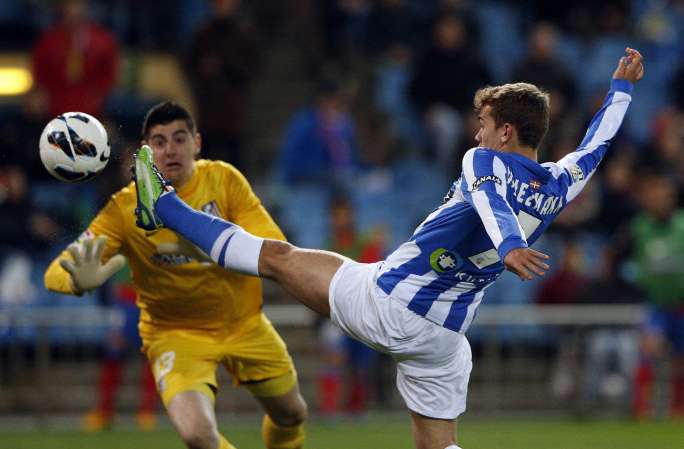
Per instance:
{"type": "Point", "coordinates": [86, 270]}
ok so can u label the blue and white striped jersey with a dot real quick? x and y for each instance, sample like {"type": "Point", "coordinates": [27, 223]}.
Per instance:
{"type": "Point", "coordinates": [502, 201]}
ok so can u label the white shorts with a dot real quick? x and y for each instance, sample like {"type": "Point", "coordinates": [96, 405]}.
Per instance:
{"type": "Point", "coordinates": [433, 363]}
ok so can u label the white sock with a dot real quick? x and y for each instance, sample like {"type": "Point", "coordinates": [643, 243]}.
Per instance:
{"type": "Point", "coordinates": [453, 446]}
{"type": "Point", "coordinates": [226, 243]}
{"type": "Point", "coordinates": [238, 250]}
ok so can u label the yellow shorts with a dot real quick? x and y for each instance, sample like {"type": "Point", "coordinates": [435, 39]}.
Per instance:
{"type": "Point", "coordinates": [254, 355]}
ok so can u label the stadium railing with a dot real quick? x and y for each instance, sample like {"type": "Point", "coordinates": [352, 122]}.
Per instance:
{"type": "Point", "coordinates": [512, 370]}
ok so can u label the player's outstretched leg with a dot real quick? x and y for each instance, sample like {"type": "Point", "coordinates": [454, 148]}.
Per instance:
{"type": "Point", "coordinates": [304, 273]}
{"type": "Point", "coordinates": [158, 205]}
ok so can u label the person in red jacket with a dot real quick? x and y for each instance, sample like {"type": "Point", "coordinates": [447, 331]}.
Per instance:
{"type": "Point", "coordinates": [75, 62]}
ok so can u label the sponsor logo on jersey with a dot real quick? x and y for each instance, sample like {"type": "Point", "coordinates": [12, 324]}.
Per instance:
{"type": "Point", "coordinates": [171, 259]}
{"type": "Point", "coordinates": [444, 261]}
{"type": "Point", "coordinates": [576, 173]}
{"type": "Point", "coordinates": [482, 179]}
{"type": "Point", "coordinates": [541, 202]}
{"type": "Point", "coordinates": [476, 280]}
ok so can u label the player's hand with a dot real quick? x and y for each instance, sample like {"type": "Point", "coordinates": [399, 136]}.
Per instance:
{"type": "Point", "coordinates": [185, 248]}
{"type": "Point", "coordinates": [87, 270]}
{"type": "Point", "coordinates": [525, 262]}
{"type": "Point", "coordinates": [630, 67]}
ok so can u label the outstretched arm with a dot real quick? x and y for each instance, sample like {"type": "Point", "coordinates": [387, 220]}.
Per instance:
{"type": "Point", "coordinates": [92, 259]}
{"type": "Point", "coordinates": [576, 168]}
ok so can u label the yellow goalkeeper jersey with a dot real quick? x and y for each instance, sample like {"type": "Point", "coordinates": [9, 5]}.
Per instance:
{"type": "Point", "coordinates": [174, 291]}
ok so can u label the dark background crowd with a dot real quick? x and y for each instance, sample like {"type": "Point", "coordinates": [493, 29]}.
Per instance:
{"type": "Point", "coordinates": [361, 105]}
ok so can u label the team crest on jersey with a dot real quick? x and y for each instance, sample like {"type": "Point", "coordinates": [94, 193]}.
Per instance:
{"type": "Point", "coordinates": [482, 179]}
{"type": "Point", "coordinates": [444, 261]}
{"type": "Point", "coordinates": [211, 208]}
{"type": "Point", "coordinates": [576, 173]}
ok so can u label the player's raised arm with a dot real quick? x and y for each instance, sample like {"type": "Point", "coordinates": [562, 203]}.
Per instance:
{"type": "Point", "coordinates": [92, 259]}
{"type": "Point", "coordinates": [577, 168]}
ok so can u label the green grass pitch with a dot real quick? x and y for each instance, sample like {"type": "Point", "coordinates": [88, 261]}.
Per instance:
{"type": "Point", "coordinates": [390, 433]}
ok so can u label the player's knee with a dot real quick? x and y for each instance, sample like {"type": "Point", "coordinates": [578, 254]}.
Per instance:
{"type": "Point", "coordinates": [199, 437]}
{"type": "Point", "coordinates": [292, 416]}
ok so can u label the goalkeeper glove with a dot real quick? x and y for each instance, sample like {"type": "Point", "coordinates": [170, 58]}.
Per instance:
{"type": "Point", "coordinates": [86, 270]}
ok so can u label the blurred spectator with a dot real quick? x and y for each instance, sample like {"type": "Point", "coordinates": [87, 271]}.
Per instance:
{"type": "Point", "coordinates": [393, 74]}
{"type": "Point", "coordinates": [346, 361]}
{"type": "Point", "coordinates": [19, 23]}
{"type": "Point", "coordinates": [657, 246]}
{"type": "Point", "coordinates": [22, 227]}
{"type": "Point", "coordinates": [391, 21]}
{"type": "Point", "coordinates": [584, 209]}
{"type": "Point", "coordinates": [380, 146]}
{"type": "Point", "coordinates": [222, 63]}
{"type": "Point", "coordinates": [665, 151]}
{"type": "Point", "coordinates": [445, 79]}
{"type": "Point", "coordinates": [677, 86]}
{"type": "Point", "coordinates": [122, 342]}
{"type": "Point", "coordinates": [617, 193]}
{"type": "Point", "coordinates": [136, 22]}
{"type": "Point", "coordinates": [320, 144]}
{"type": "Point", "coordinates": [564, 284]}
{"type": "Point", "coordinates": [75, 63]}
{"type": "Point", "coordinates": [610, 353]}
{"type": "Point", "coordinates": [563, 287]}
{"type": "Point", "coordinates": [344, 26]}
{"type": "Point", "coordinates": [24, 233]}
{"type": "Point", "coordinates": [543, 68]}
{"type": "Point", "coordinates": [20, 133]}
{"type": "Point", "coordinates": [585, 17]}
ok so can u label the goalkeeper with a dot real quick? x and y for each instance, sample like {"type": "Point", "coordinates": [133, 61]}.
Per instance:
{"type": "Point", "coordinates": [193, 315]}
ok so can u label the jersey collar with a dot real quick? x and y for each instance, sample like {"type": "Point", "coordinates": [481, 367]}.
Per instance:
{"type": "Point", "coordinates": [540, 172]}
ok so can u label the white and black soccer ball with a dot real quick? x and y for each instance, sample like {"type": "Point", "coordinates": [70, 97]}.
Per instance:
{"type": "Point", "coordinates": [74, 147]}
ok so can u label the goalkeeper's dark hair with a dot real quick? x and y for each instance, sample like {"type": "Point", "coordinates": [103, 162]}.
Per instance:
{"type": "Point", "coordinates": [165, 113]}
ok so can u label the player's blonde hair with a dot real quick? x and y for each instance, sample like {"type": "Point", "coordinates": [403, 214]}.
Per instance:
{"type": "Point", "coordinates": [523, 105]}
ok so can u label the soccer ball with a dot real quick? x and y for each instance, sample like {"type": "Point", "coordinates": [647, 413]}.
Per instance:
{"type": "Point", "coordinates": [74, 147]}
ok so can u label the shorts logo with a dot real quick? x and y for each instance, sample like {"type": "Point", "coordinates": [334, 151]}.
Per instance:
{"type": "Point", "coordinates": [576, 173]}
{"type": "Point", "coordinates": [163, 366]}
{"type": "Point", "coordinates": [482, 179]}
{"type": "Point", "coordinates": [444, 261]}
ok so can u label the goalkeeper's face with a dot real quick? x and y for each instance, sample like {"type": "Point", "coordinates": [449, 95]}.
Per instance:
{"type": "Point", "coordinates": [175, 148]}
